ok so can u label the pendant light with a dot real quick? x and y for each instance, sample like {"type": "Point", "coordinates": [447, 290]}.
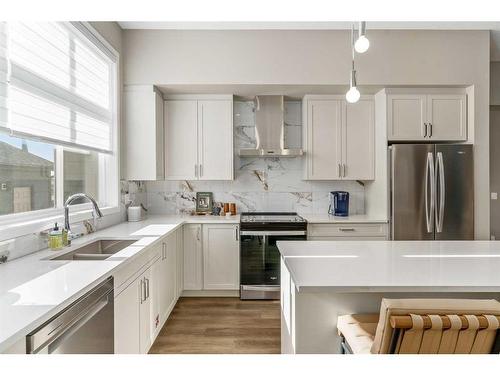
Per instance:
{"type": "Point", "coordinates": [362, 43]}
{"type": "Point", "coordinates": [353, 95]}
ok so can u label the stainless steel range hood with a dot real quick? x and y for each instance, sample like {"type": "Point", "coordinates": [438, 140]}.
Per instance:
{"type": "Point", "coordinates": [270, 129]}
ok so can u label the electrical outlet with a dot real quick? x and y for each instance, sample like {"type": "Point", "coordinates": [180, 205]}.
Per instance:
{"type": "Point", "coordinates": [3, 186]}
{"type": "Point", "coordinates": [494, 196]}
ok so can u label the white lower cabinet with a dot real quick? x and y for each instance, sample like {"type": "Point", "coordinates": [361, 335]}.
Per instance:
{"type": "Point", "coordinates": [221, 256]}
{"type": "Point", "coordinates": [137, 312]}
{"type": "Point", "coordinates": [180, 261]}
{"type": "Point", "coordinates": [193, 257]}
{"type": "Point", "coordinates": [168, 276]}
{"type": "Point", "coordinates": [127, 319]}
{"type": "Point", "coordinates": [148, 309]}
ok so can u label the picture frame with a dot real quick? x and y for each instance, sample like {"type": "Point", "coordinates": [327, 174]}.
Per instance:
{"type": "Point", "coordinates": [204, 202]}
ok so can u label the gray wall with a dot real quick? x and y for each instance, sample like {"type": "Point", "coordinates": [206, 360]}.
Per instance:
{"type": "Point", "coordinates": [396, 57]}
{"type": "Point", "coordinates": [494, 149]}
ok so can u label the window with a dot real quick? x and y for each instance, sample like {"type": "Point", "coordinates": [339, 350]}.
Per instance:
{"type": "Point", "coordinates": [27, 175]}
{"type": "Point", "coordinates": [57, 117]}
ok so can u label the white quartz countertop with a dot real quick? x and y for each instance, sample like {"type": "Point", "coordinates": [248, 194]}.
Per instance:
{"type": "Point", "coordinates": [33, 289]}
{"type": "Point", "coordinates": [351, 219]}
{"type": "Point", "coordinates": [364, 266]}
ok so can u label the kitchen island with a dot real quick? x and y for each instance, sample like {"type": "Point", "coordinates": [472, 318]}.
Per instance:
{"type": "Point", "coordinates": [321, 280]}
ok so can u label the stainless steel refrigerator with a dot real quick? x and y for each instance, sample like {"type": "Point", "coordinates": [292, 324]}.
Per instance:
{"type": "Point", "coordinates": [432, 192]}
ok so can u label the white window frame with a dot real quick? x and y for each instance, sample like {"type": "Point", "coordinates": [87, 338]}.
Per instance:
{"type": "Point", "coordinates": [25, 223]}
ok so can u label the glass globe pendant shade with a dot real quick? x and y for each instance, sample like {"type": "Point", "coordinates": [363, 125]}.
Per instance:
{"type": "Point", "coordinates": [362, 44]}
{"type": "Point", "coordinates": [353, 95]}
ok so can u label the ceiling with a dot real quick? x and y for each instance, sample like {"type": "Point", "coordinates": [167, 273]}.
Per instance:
{"type": "Point", "coordinates": [494, 27]}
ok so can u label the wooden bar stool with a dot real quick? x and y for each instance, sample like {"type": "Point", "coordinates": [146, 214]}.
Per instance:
{"type": "Point", "coordinates": [423, 326]}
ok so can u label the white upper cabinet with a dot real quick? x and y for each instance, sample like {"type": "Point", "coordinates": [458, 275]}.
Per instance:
{"type": "Point", "coordinates": [446, 117]}
{"type": "Point", "coordinates": [143, 139]}
{"type": "Point", "coordinates": [406, 116]}
{"type": "Point", "coordinates": [215, 140]}
{"type": "Point", "coordinates": [199, 137]}
{"type": "Point", "coordinates": [323, 135]}
{"type": "Point", "coordinates": [427, 117]}
{"type": "Point", "coordinates": [339, 138]}
{"type": "Point", "coordinates": [358, 140]}
{"type": "Point", "coordinates": [181, 138]}
{"type": "Point", "coordinates": [221, 255]}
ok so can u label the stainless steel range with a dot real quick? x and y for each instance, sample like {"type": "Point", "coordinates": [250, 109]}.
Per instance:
{"type": "Point", "coordinates": [259, 255]}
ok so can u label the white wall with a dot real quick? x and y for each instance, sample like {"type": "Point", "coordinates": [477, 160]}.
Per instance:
{"type": "Point", "coordinates": [396, 57]}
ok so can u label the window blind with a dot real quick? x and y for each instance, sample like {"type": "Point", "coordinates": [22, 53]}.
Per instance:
{"type": "Point", "coordinates": [61, 86]}
{"type": "Point", "coordinates": [3, 74]}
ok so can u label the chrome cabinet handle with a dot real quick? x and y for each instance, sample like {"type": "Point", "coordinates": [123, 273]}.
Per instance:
{"type": "Point", "coordinates": [141, 291]}
{"type": "Point", "coordinates": [147, 287]}
{"type": "Point", "coordinates": [201, 170]}
{"type": "Point", "coordinates": [144, 295]}
{"type": "Point", "coordinates": [442, 190]}
{"type": "Point", "coordinates": [425, 130]}
{"type": "Point", "coordinates": [339, 167]}
{"type": "Point", "coordinates": [236, 234]}
{"type": "Point", "coordinates": [196, 170]}
{"type": "Point", "coordinates": [347, 229]}
{"type": "Point", "coordinates": [430, 129]}
{"type": "Point", "coordinates": [344, 169]}
{"type": "Point", "coordinates": [429, 209]}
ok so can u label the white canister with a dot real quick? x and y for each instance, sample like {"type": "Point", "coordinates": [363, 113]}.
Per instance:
{"type": "Point", "coordinates": [134, 213]}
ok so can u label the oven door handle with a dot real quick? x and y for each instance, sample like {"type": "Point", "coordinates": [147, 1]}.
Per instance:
{"type": "Point", "coordinates": [261, 288]}
{"type": "Point", "coordinates": [273, 233]}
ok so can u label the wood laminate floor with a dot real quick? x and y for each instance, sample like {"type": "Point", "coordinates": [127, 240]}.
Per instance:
{"type": "Point", "coordinates": [220, 326]}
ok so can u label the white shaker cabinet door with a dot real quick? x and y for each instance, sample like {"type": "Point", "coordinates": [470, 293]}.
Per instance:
{"type": "Point", "coordinates": [181, 139]}
{"type": "Point", "coordinates": [168, 276]}
{"type": "Point", "coordinates": [215, 134]}
{"type": "Point", "coordinates": [406, 115]}
{"type": "Point", "coordinates": [446, 115]}
{"type": "Point", "coordinates": [193, 257]}
{"type": "Point", "coordinates": [221, 256]}
{"type": "Point", "coordinates": [127, 319]}
{"type": "Point", "coordinates": [143, 133]}
{"type": "Point", "coordinates": [180, 261]}
{"type": "Point", "coordinates": [323, 134]}
{"type": "Point", "coordinates": [358, 153]}
{"type": "Point", "coordinates": [145, 315]}
{"type": "Point", "coordinates": [171, 258]}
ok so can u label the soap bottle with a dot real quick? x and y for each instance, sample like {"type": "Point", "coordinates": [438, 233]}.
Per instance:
{"type": "Point", "coordinates": [55, 238]}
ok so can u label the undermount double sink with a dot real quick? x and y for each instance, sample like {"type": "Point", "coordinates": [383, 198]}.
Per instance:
{"type": "Point", "coordinates": [96, 250]}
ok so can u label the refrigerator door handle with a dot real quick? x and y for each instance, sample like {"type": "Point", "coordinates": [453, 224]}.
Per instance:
{"type": "Point", "coordinates": [442, 191]}
{"type": "Point", "coordinates": [429, 211]}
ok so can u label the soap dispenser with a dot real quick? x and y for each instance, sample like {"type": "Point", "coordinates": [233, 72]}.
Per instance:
{"type": "Point", "coordinates": [56, 238]}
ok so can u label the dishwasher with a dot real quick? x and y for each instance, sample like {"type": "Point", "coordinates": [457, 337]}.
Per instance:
{"type": "Point", "coordinates": [84, 327]}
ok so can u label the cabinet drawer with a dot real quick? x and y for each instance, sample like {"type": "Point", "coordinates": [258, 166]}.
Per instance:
{"type": "Point", "coordinates": [347, 230]}
{"type": "Point", "coordinates": [342, 238]}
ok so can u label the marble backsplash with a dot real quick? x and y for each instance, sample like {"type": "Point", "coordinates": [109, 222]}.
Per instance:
{"type": "Point", "coordinates": [260, 184]}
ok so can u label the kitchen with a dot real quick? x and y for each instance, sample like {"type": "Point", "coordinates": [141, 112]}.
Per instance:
{"type": "Point", "coordinates": [217, 191]}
